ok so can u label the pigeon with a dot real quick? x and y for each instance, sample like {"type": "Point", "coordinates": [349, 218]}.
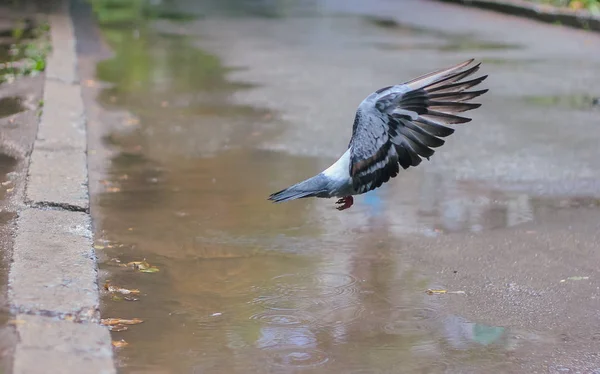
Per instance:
{"type": "Point", "coordinates": [394, 126]}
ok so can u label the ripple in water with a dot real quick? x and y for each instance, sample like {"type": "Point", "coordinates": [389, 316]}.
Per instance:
{"type": "Point", "coordinates": [409, 320]}
{"type": "Point", "coordinates": [299, 358]}
{"type": "Point", "coordinates": [313, 285]}
{"type": "Point", "coordinates": [280, 319]}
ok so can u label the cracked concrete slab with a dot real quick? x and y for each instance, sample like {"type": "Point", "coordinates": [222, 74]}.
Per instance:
{"type": "Point", "coordinates": [58, 169]}
{"type": "Point", "coordinates": [63, 346]}
{"type": "Point", "coordinates": [59, 178]}
{"type": "Point", "coordinates": [54, 266]}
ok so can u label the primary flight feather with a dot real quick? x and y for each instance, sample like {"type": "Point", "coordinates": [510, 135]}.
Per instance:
{"type": "Point", "coordinates": [394, 126]}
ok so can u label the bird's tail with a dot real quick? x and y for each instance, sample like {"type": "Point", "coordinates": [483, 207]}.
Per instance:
{"type": "Point", "coordinates": [312, 187]}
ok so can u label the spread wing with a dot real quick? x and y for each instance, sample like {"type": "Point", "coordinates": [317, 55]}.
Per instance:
{"type": "Point", "coordinates": [398, 125]}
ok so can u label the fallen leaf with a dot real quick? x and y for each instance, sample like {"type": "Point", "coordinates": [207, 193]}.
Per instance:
{"type": "Point", "coordinates": [113, 189]}
{"type": "Point", "coordinates": [98, 247]}
{"type": "Point", "coordinates": [152, 269]}
{"type": "Point", "coordinates": [124, 291]}
{"type": "Point", "coordinates": [9, 189]}
{"type": "Point", "coordinates": [6, 183]}
{"type": "Point", "coordinates": [120, 321]}
{"type": "Point", "coordinates": [143, 266]}
{"type": "Point", "coordinates": [435, 292]}
{"type": "Point", "coordinates": [575, 278]}
{"type": "Point", "coordinates": [118, 328]}
{"type": "Point", "coordinates": [441, 292]}
{"type": "Point", "coordinates": [16, 322]}
{"type": "Point", "coordinates": [139, 265]}
{"type": "Point", "coordinates": [119, 298]}
{"type": "Point", "coordinates": [131, 121]}
{"type": "Point", "coordinates": [119, 343]}
{"type": "Point", "coordinates": [576, 5]}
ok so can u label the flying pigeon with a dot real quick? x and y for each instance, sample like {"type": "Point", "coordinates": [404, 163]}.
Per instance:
{"type": "Point", "coordinates": [394, 126]}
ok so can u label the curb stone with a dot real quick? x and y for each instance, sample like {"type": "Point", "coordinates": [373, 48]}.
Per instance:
{"type": "Point", "coordinates": [53, 286]}
{"type": "Point", "coordinates": [577, 19]}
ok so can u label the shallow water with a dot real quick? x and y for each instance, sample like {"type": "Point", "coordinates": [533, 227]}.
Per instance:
{"type": "Point", "coordinates": [248, 286]}
{"type": "Point", "coordinates": [10, 106]}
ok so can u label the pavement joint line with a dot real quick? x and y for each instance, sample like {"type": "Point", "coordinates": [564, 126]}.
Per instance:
{"type": "Point", "coordinates": [81, 316]}
{"type": "Point", "coordinates": [53, 278]}
{"type": "Point", "coordinates": [47, 205]}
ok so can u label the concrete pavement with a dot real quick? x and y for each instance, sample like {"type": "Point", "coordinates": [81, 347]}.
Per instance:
{"type": "Point", "coordinates": [53, 287]}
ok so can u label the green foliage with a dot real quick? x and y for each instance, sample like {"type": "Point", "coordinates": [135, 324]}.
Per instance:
{"type": "Point", "coordinates": [27, 55]}
{"type": "Point", "coordinates": [127, 12]}
{"type": "Point", "coordinates": [590, 5]}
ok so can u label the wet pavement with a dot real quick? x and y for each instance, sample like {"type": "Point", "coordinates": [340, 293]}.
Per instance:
{"type": "Point", "coordinates": [18, 125]}
{"type": "Point", "coordinates": [201, 120]}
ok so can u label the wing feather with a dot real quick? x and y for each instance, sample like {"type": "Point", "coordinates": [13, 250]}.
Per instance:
{"type": "Point", "coordinates": [399, 125]}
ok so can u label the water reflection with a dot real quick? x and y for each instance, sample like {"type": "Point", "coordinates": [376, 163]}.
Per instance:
{"type": "Point", "coordinates": [462, 334]}
{"type": "Point", "coordinates": [254, 8]}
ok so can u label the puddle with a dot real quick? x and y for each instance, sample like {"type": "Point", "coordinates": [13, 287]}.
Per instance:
{"type": "Point", "coordinates": [10, 106]}
{"type": "Point", "coordinates": [121, 13]}
{"type": "Point", "coordinates": [580, 102]}
{"type": "Point", "coordinates": [463, 334]}
{"type": "Point", "coordinates": [469, 206]}
{"type": "Point", "coordinates": [248, 286]}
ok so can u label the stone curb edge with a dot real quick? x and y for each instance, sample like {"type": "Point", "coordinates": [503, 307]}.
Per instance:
{"type": "Point", "coordinates": [577, 19]}
{"type": "Point", "coordinates": [53, 278]}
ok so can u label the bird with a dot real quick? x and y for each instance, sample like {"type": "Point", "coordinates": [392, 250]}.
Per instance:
{"type": "Point", "coordinates": [395, 126]}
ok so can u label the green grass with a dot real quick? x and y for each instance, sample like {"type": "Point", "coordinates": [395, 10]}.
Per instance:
{"type": "Point", "coordinates": [27, 54]}
{"type": "Point", "coordinates": [590, 5]}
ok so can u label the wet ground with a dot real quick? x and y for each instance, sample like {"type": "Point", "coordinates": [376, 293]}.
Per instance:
{"type": "Point", "coordinates": [201, 120]}
{"type": "Point", "coordinates": [18, 125]}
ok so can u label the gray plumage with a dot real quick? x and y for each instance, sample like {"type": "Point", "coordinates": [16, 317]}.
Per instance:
{"type": "Point", "coordinates": [394, 126]}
